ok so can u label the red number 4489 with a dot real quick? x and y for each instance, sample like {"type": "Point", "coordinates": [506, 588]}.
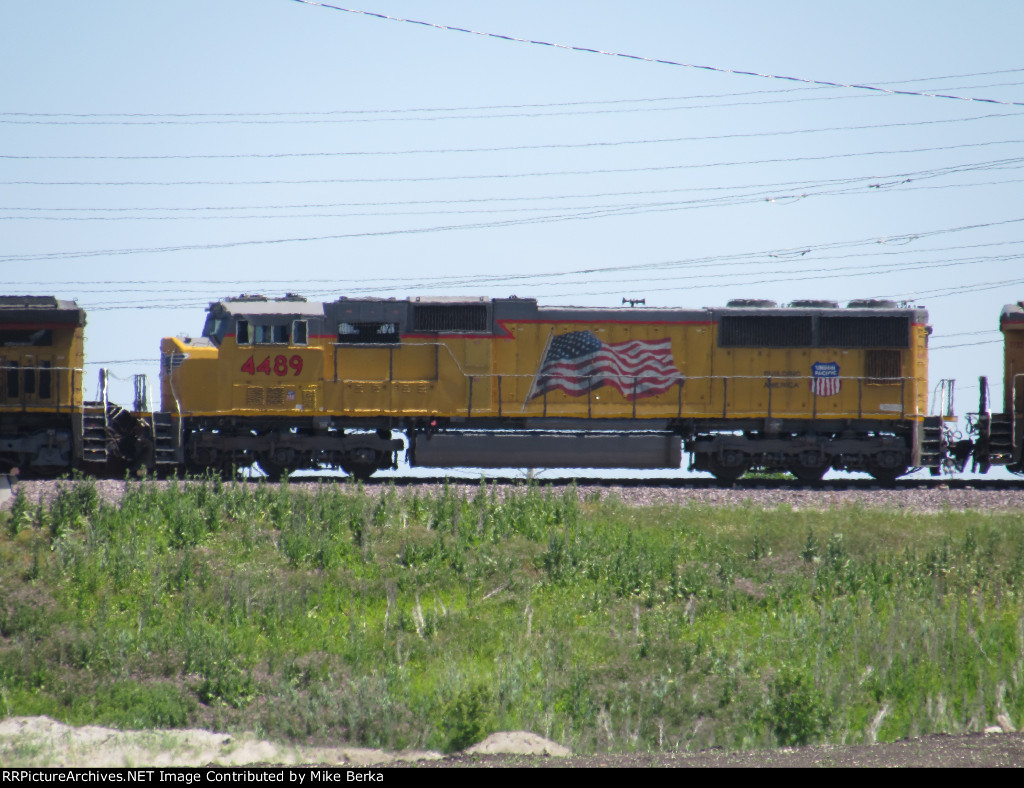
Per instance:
{"type": "Point", "coordinates": [279, 366]}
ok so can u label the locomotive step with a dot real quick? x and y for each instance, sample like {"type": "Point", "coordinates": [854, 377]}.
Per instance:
{"type": "Point", "coordinates": [165, 440]}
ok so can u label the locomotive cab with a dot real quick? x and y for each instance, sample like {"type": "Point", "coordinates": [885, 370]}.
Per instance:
{"type": "Point", "coordinates": [252, 389]}
{"type": "Point", "coordinates": [256, 355]}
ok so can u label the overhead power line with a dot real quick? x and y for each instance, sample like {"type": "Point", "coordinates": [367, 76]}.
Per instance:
{"type": "Point", "coordinates": [491, 176]}
{"type": "Point", "coordinates": [874, 181]}
{"type": "Point", "coordinates": [966, 344]}
{"type": "Point", "coordinates": [702, 280]}
{"type": "Point", "coordinates": [498, 149]}
{"type": "Point", "coordinates": [661, 61]}
{"type": "Point", "coordinates": [890, 240]}
{"type": "Point", "coordinates": [403, 115]}
{"type": "Point", "coordinates": [363, 283]}
{"type": "Point", "coordinates": [619, 209]}
{"type": "Point", "coordinates": [316, 116]}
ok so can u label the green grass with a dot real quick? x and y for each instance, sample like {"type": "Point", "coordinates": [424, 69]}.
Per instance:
{"type": "Point", "coordinates": [399, 619]}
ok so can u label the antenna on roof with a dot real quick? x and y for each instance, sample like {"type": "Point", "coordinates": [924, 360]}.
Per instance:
{"type": "Point", "coordinates": [634, 301]}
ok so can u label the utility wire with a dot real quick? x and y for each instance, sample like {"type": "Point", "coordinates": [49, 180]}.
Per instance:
{"type": "Point", "coordinates": [965, 344]}
{"type": "Point", "coordinates": [496, 149]}
{"type": "Point", "coordinates": [379, 233]}
{"type": "Point", "coordinates": [719, 274]}
{"type": "Point", "coordinates": [718, 69]}
{"type": "Point", "coordinates": [492, 176]}
{"type": "Point", "coordinates": [698, 281]}
{"type": "Point", "coordinates": [622, 209]}
{"type": "Point", "coordinates": [717, 263]}
{"type": "Point", "coordinates": [876, 181]}
{"type": "Point", "coordinates": [231, 119]}
{"type": "Point", "coordinates": [480, 108]}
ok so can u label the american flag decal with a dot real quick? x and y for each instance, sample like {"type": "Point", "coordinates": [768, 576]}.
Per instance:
{"type": "Point", "coordinates": [825, 378]}
{"type": "Point", "coordinates": [579, 362]}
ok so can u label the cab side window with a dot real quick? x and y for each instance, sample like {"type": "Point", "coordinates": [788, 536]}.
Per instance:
{"type": "Point", "coordinates": [12, 378]}
{"type": "Point", "coordinates": [242, 332]}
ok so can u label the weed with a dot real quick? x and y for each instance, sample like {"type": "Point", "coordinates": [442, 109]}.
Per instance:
{"type": "Point", "coordinates": [796, 711]}
{"type": "Point", "coordinates": [466, 719]}
{"type": "Point", "coordinates": [393, 618]}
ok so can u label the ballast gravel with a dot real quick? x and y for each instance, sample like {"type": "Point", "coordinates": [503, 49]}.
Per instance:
{"type": "Point", "coordinates": [923, 498]}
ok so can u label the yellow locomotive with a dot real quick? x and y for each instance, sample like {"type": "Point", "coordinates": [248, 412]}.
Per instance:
{"type": "Point", "coordinates": [41, 357]}
{"type": "Point", "coordinates": [291, 384]}
{"type": "Point", "coordinates": [47, 428]}
{"type": "Point", "coordinates": [996, 438]}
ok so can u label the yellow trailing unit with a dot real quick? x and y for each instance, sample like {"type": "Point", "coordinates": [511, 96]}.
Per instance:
{"type": "Point", "coordinates": [997, 438]}
{"type": "Point", "coordinates": [504, 382]}
{"type": "Point", "coordinates": [41, 358]}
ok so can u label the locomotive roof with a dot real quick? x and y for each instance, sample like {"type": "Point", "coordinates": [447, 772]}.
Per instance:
{"type": "Point", "coordinates": [919, 314]}
{"type": "Point", "coordinates": [34, 308]}
{"type": "Point", "coordinates": [285, 306]}
{"type": "Point", "coordinates": [1012, 313]}
{"type": "Point", "coordinates": [525, 308]}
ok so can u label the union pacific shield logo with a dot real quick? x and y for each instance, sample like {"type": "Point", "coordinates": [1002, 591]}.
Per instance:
{"type": "Point", "coordinates": [825, 378]}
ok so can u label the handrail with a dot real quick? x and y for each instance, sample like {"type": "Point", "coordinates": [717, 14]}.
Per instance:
{"type": "Point", "coordinates": [685, 378]}
{"type": "Point", "coordinates": [904, 408]}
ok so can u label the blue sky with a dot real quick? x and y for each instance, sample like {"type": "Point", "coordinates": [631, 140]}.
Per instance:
{"type": "Point", "coordinates": [159, 156]}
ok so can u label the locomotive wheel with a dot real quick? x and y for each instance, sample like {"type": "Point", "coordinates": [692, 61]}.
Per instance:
{"type": "Point", "coordinates": [729, 467]}
{"type": "Point", "coordinates": [809, 467]}
{"type": "Point", "coordinates": [272, 470]}
{"type": "Point", "coordinates": [360, 473]}
{"type": "Point", "coordinates": [43, 471]}
{"type": "Point", "coordinates": [887, 466]}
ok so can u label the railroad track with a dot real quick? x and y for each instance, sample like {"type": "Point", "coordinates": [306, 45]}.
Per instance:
{"type": "Point", "coordinates": [698, 483]}
{"type": "Point", "coordinates": [908, 495]}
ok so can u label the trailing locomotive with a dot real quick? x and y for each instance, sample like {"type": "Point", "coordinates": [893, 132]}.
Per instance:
{"type": "Point", "coordinates": [41, 357]}
{"type": "Point", "coordinates": [291, 384]}
{"type": "Point", "coordinates": [46, 426]}
{"type": "Point", "coordinates": [996, 438]}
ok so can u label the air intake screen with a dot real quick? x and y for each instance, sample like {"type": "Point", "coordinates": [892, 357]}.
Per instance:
{"type": "Point", "coordinates": [368, 333]}
{"type": "Point", "coordinates": [882, 366]}
{"type": "Point", "coordinates": [764, 331]}
{"type": "Point", "coordinates": [453, 317]}
{"type": "Point", "coordinates": [864, 332]}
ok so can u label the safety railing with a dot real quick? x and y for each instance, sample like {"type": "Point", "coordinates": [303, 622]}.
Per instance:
{"type": "Point", "coordinates": [673, 396]}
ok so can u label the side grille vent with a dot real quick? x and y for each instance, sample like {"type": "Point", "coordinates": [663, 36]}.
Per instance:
{"type": "Point", "coordinates": [842, 331]}
{"type": "Point", "coordinates": [432, 318]}
{"type": "Point", "coordinates": [765, 331]}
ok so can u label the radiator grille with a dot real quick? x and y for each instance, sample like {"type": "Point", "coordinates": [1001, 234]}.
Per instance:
{"type": "Point", "coordinates": [765, 331]}
{"type": "Point", "coordinates": [882, 367]}
{"type": "Point", "coordinates": [450, 317]}
{"type": "Point", "coordinates": [844, 331]}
